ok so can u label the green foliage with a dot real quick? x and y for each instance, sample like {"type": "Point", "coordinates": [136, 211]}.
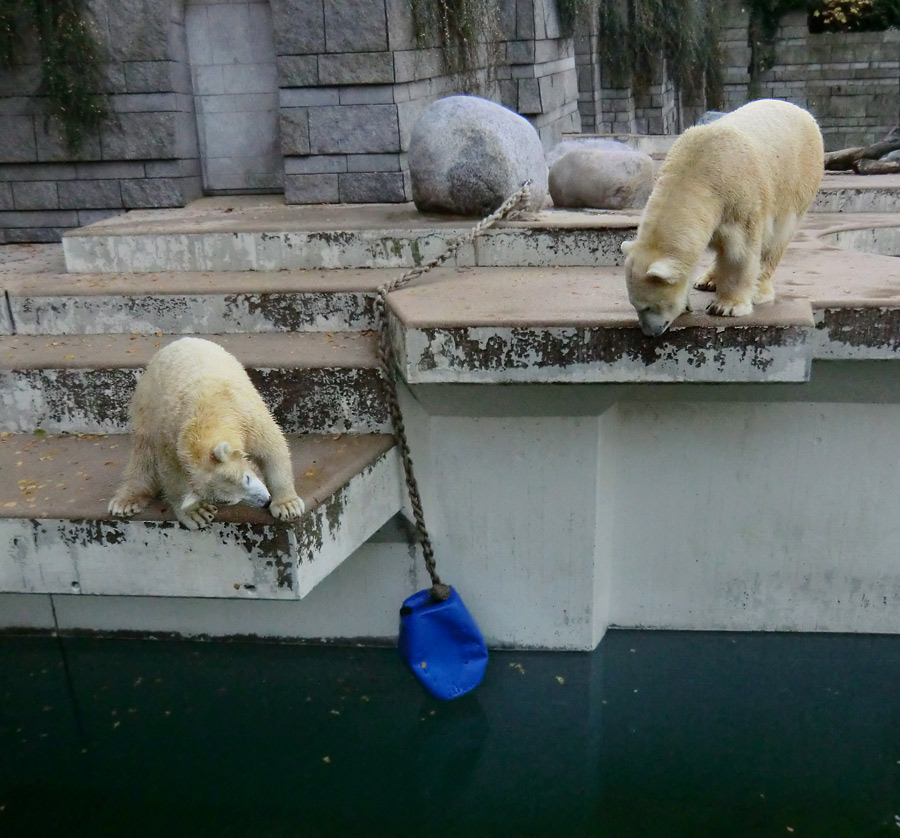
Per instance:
{"type": "Point", "coordinates": [466, 30]}
{"type": "Point", "coordinates": [569, 11]}
{"type": "Point", "coordinates": [686, 32]}
{"type": "Point", "coordinates": [71, 61]}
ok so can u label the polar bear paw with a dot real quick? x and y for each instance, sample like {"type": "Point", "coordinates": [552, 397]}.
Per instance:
{"type": "Point", "coordinates": [125, 506]}
{"type": "Point", "coordinates": [729, 308]}
{"type": "Point", "coordinates": [286, 510]}
{"type": "Point", "coordinates": [705, 282]}
{"type": "Point", "coordinates": [198, 516]}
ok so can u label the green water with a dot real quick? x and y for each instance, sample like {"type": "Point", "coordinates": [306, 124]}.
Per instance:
{"type": "Point", "coordinates": [654, 734]}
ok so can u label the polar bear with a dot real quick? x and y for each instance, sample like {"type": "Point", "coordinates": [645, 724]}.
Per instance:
{"type": "Point", "coordinates": [739, 185]}
{"type": "Point", "coordinates": [199, 424]}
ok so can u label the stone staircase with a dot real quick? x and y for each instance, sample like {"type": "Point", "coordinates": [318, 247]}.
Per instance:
{"type": "Point", "coordinates": [72, 349]}
{"type": "Point", "coordinates": [289, 290]}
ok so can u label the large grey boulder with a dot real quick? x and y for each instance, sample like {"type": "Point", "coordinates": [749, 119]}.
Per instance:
{"type": "Point", "coordinates": [598, 179]}
{"type": "Point", "coordinates": [467, 155]}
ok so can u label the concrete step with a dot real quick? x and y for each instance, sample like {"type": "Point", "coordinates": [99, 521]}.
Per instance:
{"type": "Point", "coordinates": [317, 382]}
{"type": "Point", "coordinates": [57, 537]}
{"type": "Point", "coordinates": [213, 302]}
{"type": "Point", "coordinates": [260, 233]}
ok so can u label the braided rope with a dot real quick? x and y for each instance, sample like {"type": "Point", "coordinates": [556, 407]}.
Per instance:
{"type": "Point", "coordinates": [511, 207]}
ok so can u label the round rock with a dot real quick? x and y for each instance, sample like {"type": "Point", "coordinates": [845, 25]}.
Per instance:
{"type": "Point", "coordinates": [598, 179]}
{"type": "Point", "coordinates": [467, 155]}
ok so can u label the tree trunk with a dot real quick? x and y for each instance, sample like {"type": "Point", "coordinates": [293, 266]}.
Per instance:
{"type": "Point", "coordinates": [845, 158]}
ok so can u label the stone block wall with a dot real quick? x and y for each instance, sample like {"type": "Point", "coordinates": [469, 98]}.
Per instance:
{"type": "Point", "coordinates": [849, 81]}
{"type": "Point", "coordinates": [348, 83]}
{"type": "Point", "coordinates": [145, 155]}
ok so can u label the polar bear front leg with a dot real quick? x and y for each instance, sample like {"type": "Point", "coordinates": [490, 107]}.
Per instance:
{"type": "Point", "coordinates": [738, 266]}
{"type": "Point", "coordinates": [274, 458]}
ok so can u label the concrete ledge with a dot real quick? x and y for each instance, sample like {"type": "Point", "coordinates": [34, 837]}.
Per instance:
{"type": "Point", "coordinates": [317, 382]}
{"type": "Point", "coordinates": [576, 332]}
{"type": "Point", "coordinates": [58, 538]}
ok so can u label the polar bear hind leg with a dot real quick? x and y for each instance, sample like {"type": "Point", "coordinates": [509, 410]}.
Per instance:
{"type": "Point", "coordinates": [773, 249]}
{"type": "Point", "coordinates": [139, 485]}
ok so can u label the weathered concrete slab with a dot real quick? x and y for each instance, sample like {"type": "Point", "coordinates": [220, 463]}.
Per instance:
{"type": "Point", "coordinates": [192, 303]}
{"type": "Point", "coordinates": [851, 193]}
{"type": "Point", "coordinates": [316, 382]}
{"type": "Point", "coordinates": [267, 236]}
{"type": "Point", "coordinates": [57, 537]}
{"type": "Point", "coordinates": [568, 325]}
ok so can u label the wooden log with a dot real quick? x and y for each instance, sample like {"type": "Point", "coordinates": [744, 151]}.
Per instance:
{"type": "Point", "coordinates": [876, 167]}
{"type": "Point", "coordinates": [845, 158]}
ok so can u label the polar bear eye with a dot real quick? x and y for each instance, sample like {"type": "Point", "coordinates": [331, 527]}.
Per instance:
{"type": "Point", "coordinates": [246, 479]}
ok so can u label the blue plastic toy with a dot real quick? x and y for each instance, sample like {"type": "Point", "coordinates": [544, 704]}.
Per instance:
{"type": "Point", "coordinates": [441, 644]}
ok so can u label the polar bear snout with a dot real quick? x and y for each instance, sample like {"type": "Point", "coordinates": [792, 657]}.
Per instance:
{"type": "Point", "coordinates": [653, 323]}
{"type": "Point", "coordinates": [255, 491]}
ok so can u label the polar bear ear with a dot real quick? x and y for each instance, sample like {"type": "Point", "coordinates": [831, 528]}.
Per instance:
{"type": "Point", "coordinates": [626, 246]}
{"type": "Point", "coordinates": [222, 451]}
{"type": "Point", "coordinates": [663, 270]}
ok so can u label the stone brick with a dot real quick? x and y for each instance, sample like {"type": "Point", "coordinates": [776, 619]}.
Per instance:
{"type": "Point", "coordinates": [354, 129]}
{"type": "Point", "coordinates": [37, 171]}
{"type": "Point", "coordinates": [529, 96]}
{"type": "Point", "coordinates": [148, 76]}
{"type": "Point", "coordinates": [368, 188]}
{"type": "Point", "coordinates": [297, 70]}
{"type": "Point", "coordinates": [52, 218]}
{"type": "Point", "coordinates": [36, 235]}
{"type": "Point", "coordinates": [356, 68]}
{"type": "Point", "coordinates": [35, 195]}
{"type": "Point", "coordinates": [417, 64]}
{"type": "Point", "coordinates": [401, 32]}
{"type": "Point", "coordinates": [311, 189]}
{"type": "Point", "coordinates": [90, 194]}
{"type": "Point", "coordinates": [51, 145]}
{"type": "Point", "coordinates": [109, 171]}
{"type": "Point", "coordinates": [294, 129]}
{"type": "Point", "coordinates": [309, 97]}
{"type": "Point", "coordinates": [138, 30]}
{"type": "Point", "coordinates": [368, 94]}
{"type": "Point", "coordinates": [520, 52]}
{"type": "Point", "coordinates": [299, 27]}
{"type": "Point", "coordinates": [142, 102]}
{"type": "Point", "coordinates": [6, 199]}
{"type": "Point", "coordinates": [17, 140]}
{"type": "Point", "coordinates": [318, 164]}
{"type": "Point", "coordinates": [24, 80]}
{"type": "Point", "coordinates": [152, 192]}
{"type": "Point", "coordinates": [88, 217]}
{"type": "Point", "coordinates": [376, 162]}
{"type": "Point", "coordinates": [355, 26]}
{"type": "Point", "coordinates": [140, 136]}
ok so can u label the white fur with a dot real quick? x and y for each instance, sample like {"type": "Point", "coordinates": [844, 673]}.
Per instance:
{"type": "Point", "coordinates": [200, 430]}
{"type": "Point", "coordinates": [739, 185]}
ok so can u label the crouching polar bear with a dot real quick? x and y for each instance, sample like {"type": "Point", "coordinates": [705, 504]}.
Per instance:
{"type": "Point", "coordinates": [739, 185]}
{"type": "Point", "coordinates": [199, 426]}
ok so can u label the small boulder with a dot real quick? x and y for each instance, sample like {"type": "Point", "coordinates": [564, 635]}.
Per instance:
{"type": "Point", "coordinates": [710, 116]}
{"type": "Point", "coordinates": [597, 179]}
{"type": "Point", "coordinates": [592, 143]}
{"type": "Point", "coordinates": [467, 155]}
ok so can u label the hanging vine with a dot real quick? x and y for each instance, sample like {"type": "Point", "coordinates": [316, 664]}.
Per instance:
{"type": "Point", "coordinates": [467, 32]}
{"type": "Point", "coordinates": [71, 61]}
{"type": "Point", "coordinates": [634, 34]}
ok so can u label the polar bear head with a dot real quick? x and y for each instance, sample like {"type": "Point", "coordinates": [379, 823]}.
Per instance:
{"type": "Point", "coordinates": [657, 287]}
{"type": "Point", "coordinates": [226, 478]}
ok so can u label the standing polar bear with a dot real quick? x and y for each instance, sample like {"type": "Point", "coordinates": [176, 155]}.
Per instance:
{"type": "Point", "coordinates": [739, 185]}
{"type": "Point", "coordinates": [198, 424]}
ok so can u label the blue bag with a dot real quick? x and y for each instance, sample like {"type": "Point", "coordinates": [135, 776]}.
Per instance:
{"type": "Point", "coordinates": [441, 644]}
